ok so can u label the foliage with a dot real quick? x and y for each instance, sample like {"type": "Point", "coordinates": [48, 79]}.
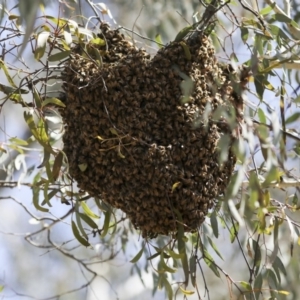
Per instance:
{"type": "Point", "coordinates": [258, 210]}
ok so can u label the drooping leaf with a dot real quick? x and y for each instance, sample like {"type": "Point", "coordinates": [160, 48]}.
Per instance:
{"type": "Point", "coordinates": [39, 131]}
{"type": "Point", "coordinates": [168, 287]}
{"type": "Point", "coordinates": [105, 228]}
{"type": "Point", "coordinates": [258, 286]}
{"type": "Point", "coordinates": [18, 141]}
{"type": "Point", "coordinates": [49, 196]}
{"type": "Point", "coordinates": [186, 50]}
{"type": "Point", "coordinates": [234, 231]}
{"type": "Point", "coordinates": [88, 220]}
{"type": "Point", "coordinates": [98, 41]}
{"type": "Point", "coordinates": [293, 118]}
{"type": "Point", "coordinates": [213, 245]}
{"type": "Point", "coordinates": [175, 255]}
{"type": "Point", "coordinates": [88, 211]}
{"type": "Point", "coordinates": [183, 33]}
{"type": "Point", "coordinates": [79, 223]}
{"type": "Point", "coordinates": [8, 77]}
{"type": "Point", "coordinates": [77, 235]}
{"type": "Point", "coordinates": [36, 204]}
{"type": "Point", "coordinates": [54, 101]}
{"type": "Point", "coordinates": [272, 278]}
{"type": "Point", "coordinates": [138, 255]}
{"type": "Point", "coordinates": [164, 266]}
{"type": "Point", "coordinates": [182, 247]}
{"type": "Point", "coordinates": [186, 292]}
{"type": "Point", "coordinates": [246, 285]}
{"type": "Point", "coordinates": [59, 56]}
{"type": "Point", "coordinates": [210, 261]}
{"type": "Point", "coordinates": [158, 40]}
{"type": "Point", "coordinates": [214, 223]}
{"type": "Point", "coordinates": [57, 165]}
{"type": "Point", "coordinates": [244, 34]}
{"type": "Point", "coordinates": [257, 255]}
{"type": "Point", "coordinates": [192, 265]}
{"type": "Point", "coordinates": [282, 292]}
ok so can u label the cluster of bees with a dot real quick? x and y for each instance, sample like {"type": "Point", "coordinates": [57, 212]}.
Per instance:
{"type": "Point", "coordinates": [132, 140]}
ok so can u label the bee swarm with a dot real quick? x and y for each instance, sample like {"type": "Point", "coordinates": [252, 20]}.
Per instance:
{"type": "Point", "coordinates": [138, 142]}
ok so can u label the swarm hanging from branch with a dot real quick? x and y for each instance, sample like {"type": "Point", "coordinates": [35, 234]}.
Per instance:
{"type": "Point", "coordinates": [135, 133]}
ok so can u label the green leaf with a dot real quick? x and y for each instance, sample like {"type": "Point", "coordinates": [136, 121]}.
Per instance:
{"type": "Point", "coordinates": [138, 255]}
{"type": "Point", "coordinates": [257, 255]}
{"type": "Point", "coordinates": [98, 41]}
{"type": "Point", "coordinates": [101, 205]}
{"type": "Point", "coordinates": [77, 235]}
{"type": "Point", "coordinates": [214, 223]}
{"type": "Point", "coordinates": [210, 261]}
{"type": "Point", "coordinates": [167, 286]}
{"type": "Point", "coordinates": [153, 255]}
{"type": "Point", "coordinates": [262, 116]}
{"type": "Point", "coordinates": [185, 292]}
{"type": "Point", "coordinates": [277, 32]}
{"type": "Point", "coordinates": [113, 131]}
{"type": "Point", "coordinates": [49, 196]}
{"type": "Point", "coordinates": [8, 77]}
{"type": "Point", "coordinates": [79, 223]}
{"type": "Point", "coordinates": [234, 231]}
{"type": "Point", "coordinates": [258, 286]}
{"type": "Point", "coordinates": [164, 266]}
{"type": "Point", "coordinates": [59, 56]}
{"type": "Point", "coordinates": [46, 200]}
{"type": "Point", "coordinates": [37, 98]}
{"type": "Point", "coordinates": [36, 204]}
{"type": "Point", "coordinates": [213, 245]}
{"type": "Point", "coordinates": [45, 159]}
{"type": "Point", "coordinates": [175, 255]}
{"type": "Point", "coordinates": [233, 57]}
{"type": "Point", "coordinates": [41, 44]}
{"type": "Point", "coordinates": [193, 265]}
{"type": "Point", "coordinates": [271, 176]}
{"type": "Point", "coordinates": [266, 10]}
{"type": "Point", "coordinates": [39, 131]}
{"type": "Point", "coordinates": [244, 34]}
{"type": "Point", "coordinates": [175, 186]}
{"type": "Point", "coordinates": [18, 141]}
{"type": "Point", "coordinates": [272, 278]}
{"type": "Point", "coordinates": [260, 88]}
{"type": "Point", "coordinates": [182, 33]}
{"type": "Point", "coordinates": [278, 265]}
{"type": "Point", "coordinates": [105, 228]}
{"type": "Point", "coordinates": [57, 165]}
{"type": "Point", "coordinates": [54, 101]}
{"type": "Point", "coordinates": [88, 211]}
{"type": "Point", "coordinates": [82, 167]}
{"type": "Point", "coordinates": [60, 21]}
{"type": "Point", "coordinates": [186, 50]}
{"type": "Point", "coordinates": [294, 117]}
{"type": "Point", "coordinates": [88, 220]}
{"type": "Point", "coordinates": [182, 247]}
{"type": "Point", "coordinates": [283, 292]}
{"type": "Point", "coordinates": [246, 285]}
{"type": "Point", "coordinates": [281, 18]}
{"type": "Point", "coordinates": [158, 40]}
